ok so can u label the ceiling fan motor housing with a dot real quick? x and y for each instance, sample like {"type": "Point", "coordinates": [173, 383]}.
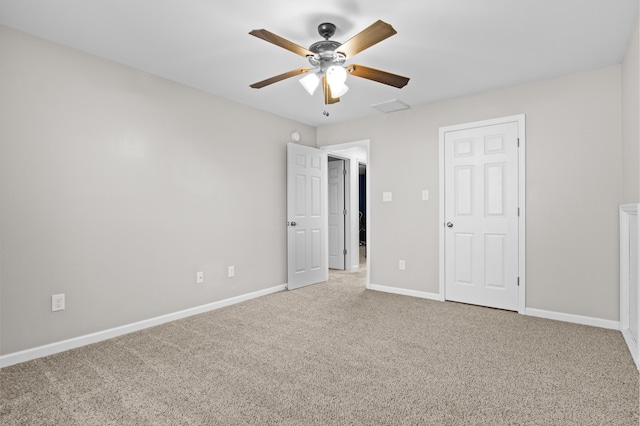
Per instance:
{"type": "Point", "coordinates": [324, 50]}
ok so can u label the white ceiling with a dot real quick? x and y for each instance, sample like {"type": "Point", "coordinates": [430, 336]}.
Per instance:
{"type": "Point", "coordinates": [448, 48]}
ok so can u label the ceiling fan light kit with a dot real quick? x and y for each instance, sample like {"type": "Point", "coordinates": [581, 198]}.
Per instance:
{"type": "Point", "coordinates": [327, 58]}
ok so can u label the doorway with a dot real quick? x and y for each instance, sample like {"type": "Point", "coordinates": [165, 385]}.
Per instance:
{"type": "Point", "coordinates": [357, 157]}
{"type": "Point", "coordinates": [362, 207]}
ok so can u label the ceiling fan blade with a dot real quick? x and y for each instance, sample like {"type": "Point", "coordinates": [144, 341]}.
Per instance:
{"type": "Point", "coordinates": [279, 77]}
{"type": "Point", "coordinates": [371, 35]}
{"type": "Point", "coordinates": [282, 42]}
{"type": "Point", "coordinates": [326, 90]}
{"type": "Point", "coordinates": [377, 75]}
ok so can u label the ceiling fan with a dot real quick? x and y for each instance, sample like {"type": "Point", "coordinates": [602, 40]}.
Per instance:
{"type": "Point", "coordinates": [327, 58]}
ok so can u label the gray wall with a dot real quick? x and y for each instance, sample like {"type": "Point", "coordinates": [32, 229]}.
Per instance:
{"type": "Point", "coordinates": [631, 121]}
{"type": "Point", "coordinates": [573, 188]}
{"type": "Point", "coordinates": [118, 186]}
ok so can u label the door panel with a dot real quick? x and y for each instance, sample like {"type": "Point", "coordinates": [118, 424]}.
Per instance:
{"type": "Point", "coordinates": [464, 191]}
{"type": "Point", "coordinates": [481, 212]}
{"type": "Point", "coordinates": [464, 258]}
{"type": "Point", "coordinates": [494, 260]}
{"type": "Point", "coordinates": [336, 214]}
{"type": "Point", "coordinates": [306, 215]}
{"type": "Point", "coordinates": [300, 236]}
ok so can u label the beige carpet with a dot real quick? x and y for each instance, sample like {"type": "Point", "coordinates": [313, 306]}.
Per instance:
{"type": "Point", "coordinates": [335, 354]}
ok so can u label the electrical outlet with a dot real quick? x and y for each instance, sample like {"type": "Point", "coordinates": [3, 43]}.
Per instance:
{"type": "Point", "coordinates": [231, 271]}
{"type": "Point", "coordinates": [57, 302]}
{"type": "Point", "coordinates": [199, 277]}
{"type": "Point", "coordinates": [401, 265]}
{"type": "Point", "coordinates": [387, 197]}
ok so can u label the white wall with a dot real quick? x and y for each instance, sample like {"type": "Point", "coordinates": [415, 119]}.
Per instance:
{"type": "Point", "coordinates": [118, 186]}
{"type": "Point", "coordinates": [574, 185]}
{"type": "Point", "coordinates": [630, 121]}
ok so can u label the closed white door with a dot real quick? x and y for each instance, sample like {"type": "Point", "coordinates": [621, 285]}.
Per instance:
{"type": "Point", "coordinates": [481, 215]}
{"type": "Point", "coordinates": [336, 214]}
{"type": "Point", "coordinates": [306, 215]}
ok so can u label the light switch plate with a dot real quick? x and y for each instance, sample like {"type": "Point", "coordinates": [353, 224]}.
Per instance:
{"type": "Point", "coordinates": [425, 195]}
{"type": "Point", "coordinates": [199, 277]}
{"type": "Point", "coordinates": [386, 196]}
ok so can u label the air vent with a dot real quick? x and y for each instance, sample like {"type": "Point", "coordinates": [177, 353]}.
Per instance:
{"type": "Point", "coordinates": [390, 106]}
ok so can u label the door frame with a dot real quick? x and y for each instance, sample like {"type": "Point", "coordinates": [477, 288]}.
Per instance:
{"type": "Point", "coordinates": [520, 120]}
{"type": "Point", "coordinates": [334, 151]}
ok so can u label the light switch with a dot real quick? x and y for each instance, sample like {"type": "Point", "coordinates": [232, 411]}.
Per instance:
{"type": "Point", "coordinates": [386, 196]}
{"type": "Point", "coordinates": [425, 195]}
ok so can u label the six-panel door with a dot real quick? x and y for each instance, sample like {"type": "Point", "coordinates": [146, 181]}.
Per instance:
{"type": "Point", "coordinates": [481, 215]}
{"type": "Point", "coordinates": [306, 215]}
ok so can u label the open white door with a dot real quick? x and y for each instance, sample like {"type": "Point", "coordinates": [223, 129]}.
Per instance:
{"type": "Point", "coordinates": [337, 214]}
{"type": "Point", "coordinates": [306, 215]}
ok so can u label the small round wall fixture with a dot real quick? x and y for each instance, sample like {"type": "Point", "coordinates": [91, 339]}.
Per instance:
{"type": "Point", "coordinates": [295, 136]}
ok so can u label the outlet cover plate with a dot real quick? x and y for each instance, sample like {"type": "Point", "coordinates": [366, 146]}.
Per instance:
{"type": "Point", "coordinates": [57, 302]}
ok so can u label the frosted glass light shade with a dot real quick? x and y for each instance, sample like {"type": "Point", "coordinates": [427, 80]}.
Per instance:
{"type": "Point", "coordinates": [338, 90]}
{"type": "Point", "coordinates": [336, 75]}
{"type": "Point", "coordinates": [310, 82]}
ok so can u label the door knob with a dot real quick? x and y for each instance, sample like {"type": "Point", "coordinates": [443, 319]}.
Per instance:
{"type": "Point", "coordinates": [449, 225]}
{"type": "Point", "coordinates": [293, 224]}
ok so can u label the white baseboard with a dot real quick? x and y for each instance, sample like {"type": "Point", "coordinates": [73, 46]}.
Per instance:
{"type": "Point", "coordinates": [76, 342]}
{"type": "Point", "coordinates": [576, 319]}
{"type": "Point", "coordinates": [405, 292]}
{"type": "Point", "coordinates": [559, 316]}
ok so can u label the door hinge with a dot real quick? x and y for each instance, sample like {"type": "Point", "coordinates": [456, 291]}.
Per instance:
{"type": "Point", "coordinates": [344, 252]}
{"type": "Point", "coordinates": [344, 212]}
{"type": "Point", "coordinates": [344, 172]}
{"type": "Point", "coordinates": [518, 281]}
{"type": "Point", "coordinates": [518, 211]}
{"type": "Point", "coordinates": [518, 142]}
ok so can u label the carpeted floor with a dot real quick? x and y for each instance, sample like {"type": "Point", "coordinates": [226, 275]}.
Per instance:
{"type": "Point", "coordinates": [335, 354]}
